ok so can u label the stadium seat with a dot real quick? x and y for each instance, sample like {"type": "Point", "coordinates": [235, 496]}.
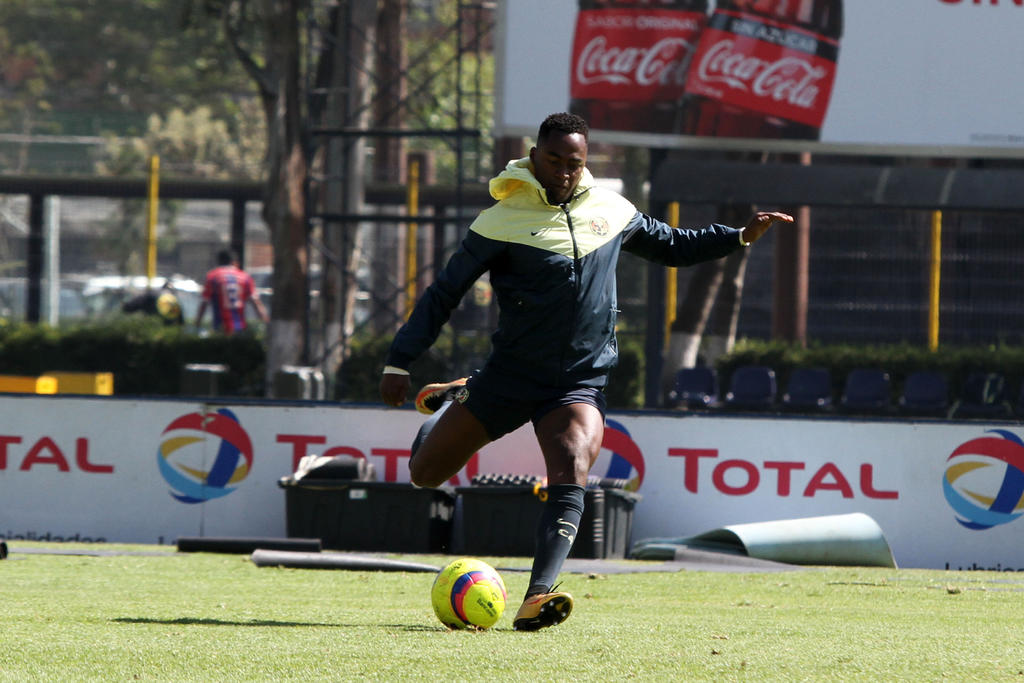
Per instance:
{"type": "Point", "coordinates": [694, 388]}
{"type": "Point", "coordinates": [925, 392]}
{"type": "Point", "coordinates": [983, 396]}
{"type": "Point", "coordinates": [808, 389]}
{"type": "Point", "coordinates": [866, 390]}
{"type": "Point", "coordinates": [752, 387]}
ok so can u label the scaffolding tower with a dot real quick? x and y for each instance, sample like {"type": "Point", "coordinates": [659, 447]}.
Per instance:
{"type": "Point", "coordinates": [399, 99]}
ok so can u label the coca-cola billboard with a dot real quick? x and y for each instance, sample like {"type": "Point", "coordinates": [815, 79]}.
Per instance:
{"type": "Point", "coordinates": [764, 70]}
{"type": "Point", "coordinates": [863, 76]}
{"type": "Point", "coordinates": [630, 60]}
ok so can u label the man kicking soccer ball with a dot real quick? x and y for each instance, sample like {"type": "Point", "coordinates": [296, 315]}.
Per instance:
{"type": "Point", "coordinates": [551, 244]}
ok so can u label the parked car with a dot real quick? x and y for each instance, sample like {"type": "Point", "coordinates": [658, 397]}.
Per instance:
{"type": "Point", "coordinates": [83, 296]}
{"type": "Point", "coordinates": [13, 296]}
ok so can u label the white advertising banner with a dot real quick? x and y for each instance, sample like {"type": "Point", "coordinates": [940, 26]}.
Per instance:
{"type": "Point", "coordinates": [944, 494]}
{"type": "Point", "coordinates": [934, 77]}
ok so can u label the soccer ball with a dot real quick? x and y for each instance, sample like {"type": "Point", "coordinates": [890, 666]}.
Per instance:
{"type": "Point", "coordinates": [468, 593]}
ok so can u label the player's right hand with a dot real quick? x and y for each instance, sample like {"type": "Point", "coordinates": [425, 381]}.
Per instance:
{"type": "Point", "coordinates": [394, 388]}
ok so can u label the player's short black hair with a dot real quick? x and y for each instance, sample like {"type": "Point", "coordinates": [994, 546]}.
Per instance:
{"type": "Point", "coordinates": [563, 122]}
{"type": "Point", "coordinates": [225, 257]}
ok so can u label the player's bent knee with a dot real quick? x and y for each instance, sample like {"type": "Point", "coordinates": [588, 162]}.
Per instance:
{"type": "Point", "coordinates": [422, 477]}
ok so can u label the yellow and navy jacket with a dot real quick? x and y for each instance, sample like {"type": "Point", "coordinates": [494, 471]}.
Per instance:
{"type": "Point", "coordinates": [552, 269]}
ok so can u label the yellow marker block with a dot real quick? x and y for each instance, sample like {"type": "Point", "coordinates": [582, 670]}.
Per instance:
{"type": "Point", "coordinates": [97, 383]}
{"type": "Point", "coordinates": [16, 384]}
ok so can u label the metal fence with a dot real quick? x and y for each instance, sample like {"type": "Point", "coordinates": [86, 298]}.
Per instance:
{"type": "Point", "coordinates": [869, 264]}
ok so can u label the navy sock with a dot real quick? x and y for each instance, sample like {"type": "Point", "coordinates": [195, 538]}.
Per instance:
{"type": "Point", "coordinates": [557, 529]}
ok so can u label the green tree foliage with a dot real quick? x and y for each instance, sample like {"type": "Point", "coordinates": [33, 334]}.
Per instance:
{"type": "Point", "coordinates": [191, 143]}
{"type": "Point", "coordinates": [24, 74]}
{"type": "Point", "coordinates": [120, 56]}
{"type": "Point", "coordinates": [435, 80]}
{"type": "Point", "coordinates": [130, 71]}
{"type": "Point", "coordinates": [106, 67]}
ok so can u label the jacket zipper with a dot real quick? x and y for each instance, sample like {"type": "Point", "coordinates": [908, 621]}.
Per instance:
{"type": "Point", "coordinates": [577, 276]}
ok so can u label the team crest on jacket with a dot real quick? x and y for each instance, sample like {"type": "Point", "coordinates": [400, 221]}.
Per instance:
{"type": "Point", "coordinates": [599, 227]}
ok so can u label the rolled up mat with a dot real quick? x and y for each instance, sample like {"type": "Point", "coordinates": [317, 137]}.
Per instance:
{"type": "Point", "coordinates": [853, 539]}
{"type": "Point", "coordinates": [299, 560]}
{"type": "Point", "coordinates": [244, 545]}
{"type": "Point", "coordinates": [847, 540]}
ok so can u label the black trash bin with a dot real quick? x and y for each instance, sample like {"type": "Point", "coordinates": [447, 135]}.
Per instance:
{"type": "Point", "coordinates": [502, 520]}
{"type": "Point", "coordinates": [369, 515]}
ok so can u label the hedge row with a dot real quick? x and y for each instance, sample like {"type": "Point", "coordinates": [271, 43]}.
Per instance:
{"type": "Point", "coordinates": [147, 358]}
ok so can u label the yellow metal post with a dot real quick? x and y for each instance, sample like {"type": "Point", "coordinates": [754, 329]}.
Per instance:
{"type": "Point", "coordinates": [671, 286]}
{"type": "Point", "coordinates": [933, 299]}
{"type": "Point", "coordinates": [154, 205]}
{"type": "Point", "coordinates": [411, 234]}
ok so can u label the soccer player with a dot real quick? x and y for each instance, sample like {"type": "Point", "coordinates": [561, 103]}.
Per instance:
{"type": "Point", "coordinates": [551, 244]}
{"type": "Point", "coordinates": [227, 290]}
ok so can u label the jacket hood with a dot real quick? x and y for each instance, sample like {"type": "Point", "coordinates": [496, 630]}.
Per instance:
{"type": "Point", "coordinates": [518, 176]}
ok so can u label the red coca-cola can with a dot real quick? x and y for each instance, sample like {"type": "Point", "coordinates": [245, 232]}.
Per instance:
{"type": "Point", "coordinates": [764, 69]}
{"type": "Point", "coordinates": [629, 61]}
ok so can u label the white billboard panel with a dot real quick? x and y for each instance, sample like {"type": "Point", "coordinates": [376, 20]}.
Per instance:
{"type": "Point", "coordinates": [945, 494]}
{"type": "Point", "coordinates": [935, 77]}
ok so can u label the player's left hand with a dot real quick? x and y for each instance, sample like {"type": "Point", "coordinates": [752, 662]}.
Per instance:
{"type": "Point", "coordinates": [760, 222]}
{"type": "Point", "coordinates": [394, 389]}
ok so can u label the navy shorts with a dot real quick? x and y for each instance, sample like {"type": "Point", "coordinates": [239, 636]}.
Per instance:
{"type": "Point", "coordinates": [503, 409]}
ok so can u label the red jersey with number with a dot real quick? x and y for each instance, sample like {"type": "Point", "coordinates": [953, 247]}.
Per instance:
{"type": "Point", "coordinates": [227, 290]}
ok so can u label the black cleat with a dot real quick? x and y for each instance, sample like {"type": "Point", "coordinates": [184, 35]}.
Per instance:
{"type": "Point", "coordinates": [433, 396]}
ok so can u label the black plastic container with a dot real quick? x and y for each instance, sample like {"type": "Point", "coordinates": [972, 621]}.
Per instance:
{"type": "Point", "coordinates": [502, 520]}
{"type": "Point", "coordinates": [369, 515]}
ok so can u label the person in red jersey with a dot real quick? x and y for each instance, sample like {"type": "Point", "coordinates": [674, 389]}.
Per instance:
{"type": "Point", "coordinates": [227, 290]}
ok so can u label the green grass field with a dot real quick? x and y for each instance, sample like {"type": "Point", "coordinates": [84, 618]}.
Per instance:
{"type": "Point", "coordinates": [154, 614]}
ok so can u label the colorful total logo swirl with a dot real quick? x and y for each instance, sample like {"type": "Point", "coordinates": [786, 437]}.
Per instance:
{"type": "Point", "coordinates": [203, 455]}
{"type": "Point", "coordinates": [627, 461]}
{"type": "Point", "coordinates": [984, 480]}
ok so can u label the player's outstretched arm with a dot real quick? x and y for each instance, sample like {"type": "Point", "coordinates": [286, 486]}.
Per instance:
{"type": "Point", "coordinates": [760, 222]}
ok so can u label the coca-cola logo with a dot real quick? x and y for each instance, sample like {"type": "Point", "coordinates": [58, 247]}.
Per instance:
{"type": "Point", "coordinates": [661, 64]}
{"type": "Point", "coordinates": [634, 54]}
{"type": "Point", "coordinates": [788, 79]}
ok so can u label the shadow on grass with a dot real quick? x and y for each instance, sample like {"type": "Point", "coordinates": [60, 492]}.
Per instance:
{"type": "Point", "coordinates": [412, 628]}
{"type": "Point", "coordinates": [195, 621]}
{"type": "Point", "coordinates": [444, 629]}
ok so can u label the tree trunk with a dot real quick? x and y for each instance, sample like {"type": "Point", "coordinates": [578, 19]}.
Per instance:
{"type": "Point", "coordinates": [708, 314]}
{"type": "Point", "coordinates": [284, 202]}
{"type": "Point", "coordinates": [792, 249]}
{"type": "Point", "coordinates": [344, 78]}
{"type": "Point", "coordinates": [691, 317]}
{"type": "Point", "coordinates": [388, 105]}
{"type": "Point", "coordinates": [720, 332]}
